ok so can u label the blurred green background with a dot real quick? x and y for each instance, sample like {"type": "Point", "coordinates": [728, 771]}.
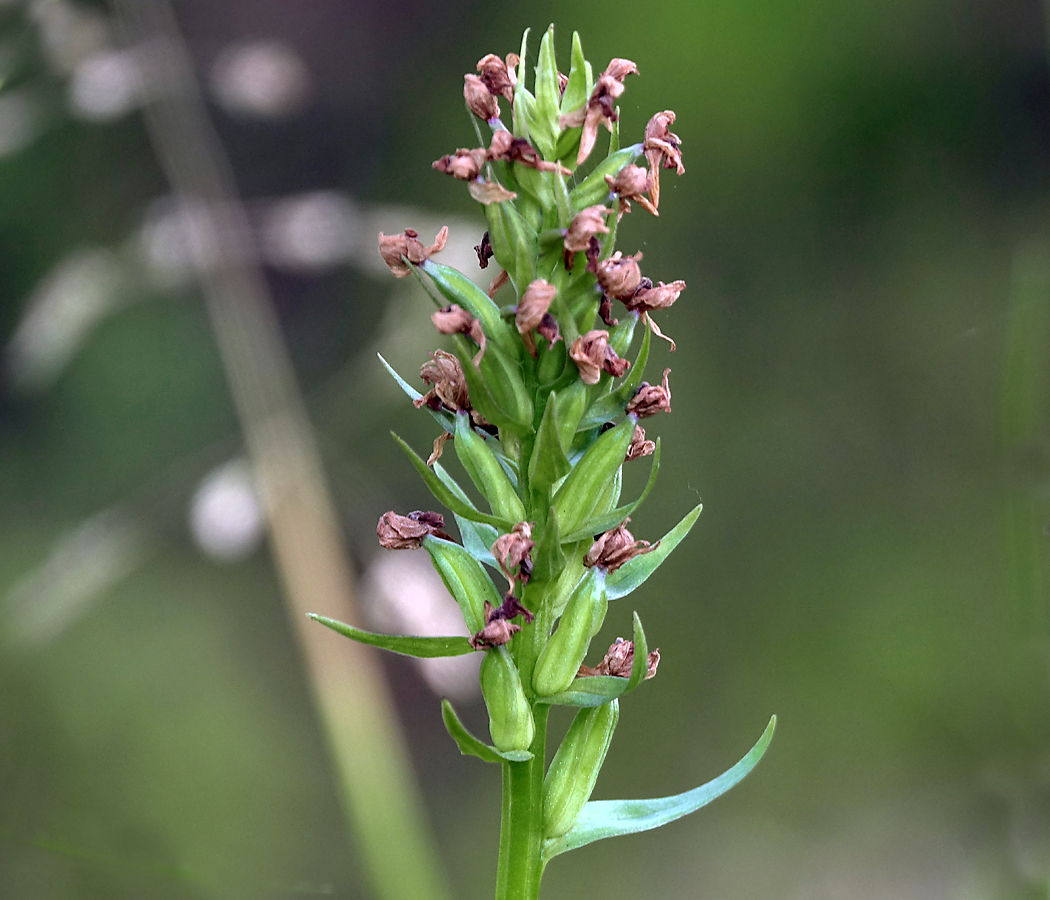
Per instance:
{"type": "Point", "coordinates": [859, 400]}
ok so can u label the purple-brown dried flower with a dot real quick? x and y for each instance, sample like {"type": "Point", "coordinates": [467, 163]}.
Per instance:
{"type": "Point", "coordinates": [498, 630]}
{"type": "Point", "coordinates": [506, 147]}
{"type": "Point", "coordinates": [662, 148]}
{"type": "Point", "coordinates": [398, 532]}
{"type": "Point", "coordinates": [456, 320]}
{"type": "Point", "coordinates": [619, 275]}
{"type": "Point", "coordinates": [586, 224]}
{"type": "Point", "coordinates": [632, 183]}
{"type": "Point", "coordinates": [480, 100]}
{"type": "Point", "coordinates": [392, 247]}
{"type": "Point", "coordinates": [639, 445]}
{"type": "Point", "coordinates": [448, 386]}
{"type": "Point", "coordinates": [650, 399]}
{"type": "Point", "coordinates": [618, 662]}
{"type": "Point", "coordinates": [465, 164]}
{"type": "Point", "coordinates": [600, 108]}
{"type": "Point", "coordinates": [513, 551]}
{"type": "Point", "coordinates": [532, 309]}
{"type": "Point", "coordinates": [593, 355]}
{"type": "Point", "coordinates": [659, 296]}
{"type": "Point", "coordinates": [498, 75]}
{"type": "Point", "coordinates": [612, 549]}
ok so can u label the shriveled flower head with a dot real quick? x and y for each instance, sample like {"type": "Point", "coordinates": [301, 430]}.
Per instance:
{"type": "Point", "coordinates": [531, 310]}
{"type": "Point", "coordinates": [593, 355]}
{"type": "Point", "coordinates": [464, 164]}
{"type": "Point", "coordinates": [662, 148]}
{"type": "Point", "coordinates": [659, 296]}
{"type": "Point", "coordinates": [448, 386]}
{"type": "Point", "coordinates": [393, 247]}
{"type": "Point", "coordinates": [619, 275]}
{"type": "Point", "coordinates": [612, 549]}
{"type": "Point", "coordinates": [514, 551]}
{"type": "Point", "coordinates": [601, 106]}
{"type": "Point", "coordinates": [639, 445]}
{"type": "Point", "coordinates": [651, 399]}
{"type": "Point", "coordinates": [506, 147]}
{"type": "Point", "coordinates": [585, 225]}
{"type": "Point", "coordinates": [397, 532]}
{"type": "Point", "coordinates": [454, 319]}
{"type": "Point", "coordinates": [498, 627]}
{"type": "Point", "coordinates": [480, 100]}
{"type": "Point", "coordinates": [632, 183]}
{"type": "Point", "coordinates": [498, 75]}
{"type": "Point", "coordinates": [619, 659]}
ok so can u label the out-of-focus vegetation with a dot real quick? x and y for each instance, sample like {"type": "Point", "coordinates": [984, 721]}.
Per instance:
{"type": "Point", "coordinates": [859, 399]}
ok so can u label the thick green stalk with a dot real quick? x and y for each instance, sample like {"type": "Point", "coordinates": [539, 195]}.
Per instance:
{"type": "Point", "coordinates": [521, 831]}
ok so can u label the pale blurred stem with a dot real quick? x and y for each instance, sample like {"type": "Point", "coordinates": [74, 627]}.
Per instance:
{"type": "Point", "coordinates": [378, 791]}
{"type": "Point", "coordinates": [521, 828]}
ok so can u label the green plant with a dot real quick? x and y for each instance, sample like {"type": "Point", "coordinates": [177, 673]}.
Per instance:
{"type": "Point", "coordinates": [530, 397]}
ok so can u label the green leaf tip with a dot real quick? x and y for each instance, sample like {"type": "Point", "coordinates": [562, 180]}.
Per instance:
{"type": "Point", "coordinates": [611, 818]}
{"type": "Point", "coordinates": [406, 645]}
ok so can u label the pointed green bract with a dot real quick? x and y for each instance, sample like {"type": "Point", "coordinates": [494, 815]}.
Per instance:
{"type": "Point", "coordinates": [612, 818]}
{"type": "Point", "coordinates": [466, 581]}
{"type": "Point", "coordinates": [472, 746]}
{"type": "Point", "coordinates": [486, 472]}
{"type": "Point", "coordinates": [594, 188]}
{"type": "Point", "coordinates": [576, 91]}
{"type": "Point", "coordinates": [406, 645]}
{"type": "Point", "coordinates": [548, 462]}
{"type": "Point", "coordinates": [548, 97]}
{"type": "Point", "coordinates": [634, 572]}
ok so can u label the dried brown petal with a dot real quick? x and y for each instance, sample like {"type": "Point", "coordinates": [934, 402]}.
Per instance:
{"type": "Point", "coordinates": [639, 445]}
{"type": "Point", "coordinates": [618, 662]}
{"type": "Point", "coordinates": [632, 183]}
{"type": "Point", "coordinates": [619, 275]}
{"type": "Point", "coordinates": [619, 69]}
{"type": "Point", "coordinates": [456, 320]}
{"type": "Point", "coordinates": [501, 279]}
{"type": "Point", "coordinates": [392, 247]}
{"type": "Point", "coordinates": [533, 307]}
{"type": "Point", "coordinates": [464, 164]}
{"type": "Point", "coordinates": [662, 148]}
{"type": "Point", "coordinates": [439, 447]}
{"type": "Point", "coordinates": [513, 551]}
{"type": "Point", "coordinates": [585, 225]}
{"type": "Point", "coordinates": [497, 75]}
{"type": "Point", "coordinates": [506, 147]}
{"type": "Point", "coordinates": [480, 100]}
{"type": "Point", "coordinates": [659, 296]}
{"type": "Point", "coordinates": [651, 399]}
{"type": "Point", "coordinates": [449, 387]}
{"type": "Point", "coordinates": [398, 532]}
{"type": "Point", "coordinates": [548, 329]}
{"type": "Point", "coordinates": [498, 630]}
{"type": "Point", "coordinates": [605, 311]}
{"type": "Point", "coordinates": [593, 355]}
{"type": "Point", "coordinates": [612, 549]}
{"type": "Point", "coordinates": [600, 108]}
{"type": "Point", "coordinates": [487, 192]}
{"type": "Point", "coordinates": [484, 251]}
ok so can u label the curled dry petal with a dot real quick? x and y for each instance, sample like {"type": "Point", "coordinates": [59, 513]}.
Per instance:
{"type": "Point", "coordinates": [632, 183]}
{"type": "Point", "coordinates": [497, 75]}
{"type": "Point", "coordinates": [662, 148]}
{"type": "Point", "coordinates": [480, 100]}
{"type": "Point", "coordinates": [585, 225]}
{"type": "Point", "coordinates": [593, 355]}
{"type": "Point", "coordinates": [487, 192]}
{"type": "Point", "coordinates": [650, 399]}
{"type": "Point", "coordinates": [548, 329]}
{"type": "Point", "coordinates": [393, 247]}
{"type": "Point", "coordinates": [618, 662]}
{"type": "Point", "coordinates": [639, 445]}
{"type": "Point", "coordinates": [533, 307]}
{"type": "Point", "coordinates": [660, 296]}
{"type": "Point", "coordinates": [497, 282]}
{"type": "Point", "coordinates": [619, 69]}
{"type": "Point", "coordinates": [484, 251]}
{"type": "Point", "coordinates": [506, 147]}
{"type": "Point", "coordinates": [612, 549]}
{"type": "Point", "coordinates": [498, 630]}
{"type": "Point", "coordinates": [456, 320]}
{"type": "Point", "coordinates": [439, 447]}
{"type": "Point", "coordinates": [619, 275]}
{"type": "Point", "coordinates": [407, 532]}
{"type": "Point", "coordinates": [448, 386]}
{"type": "Point", "coordinates": [464, 164]}
{"type": "Point", "coordinates": [513, 551]}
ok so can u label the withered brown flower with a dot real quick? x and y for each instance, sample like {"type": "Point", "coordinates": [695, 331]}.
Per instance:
{"type": "Point", "coordinates": [513, 551]}
{"type": "Point", "coordinates": [586, 224]}
{"type": "Point", "coordinates": [619, 275]}
{"type": "Point", "coordinates": [533, 307]}
{"type": "Point", "coordinates": [639, 445]}
{"type": "Point", "coordinates": [662, 148]}
{"type": "Point", "coordinates": [487, 192]}
{"type": "Point", "coordinates": [612, 549]}
{"type": "Point", "coordinates": [498, 630]}
{"type": "Point", "coordinates": [398, 532]}
{"type": "Point", "coordinates": [392, 247]}
{"type": "Point", "coordinates": [618, 662]}
{"type": "Point", "coordinates": [651, 399]}
{"type": "Point", "coordinates": [659, 296]}
{"type": "Point", "coordinates": [480, 100]}
{"type": "Point", "coordinates": [600, 108]}
{"type": "Point", "coordinates": [506, 147]}
{"type": "Point", "coordinates": [484, 251]}
{"type": "Point", "coordinates": [448, 386]}
{"type": "Point", "coordinates": [593, 355]}
{"type": "Point", "coordinates": [632, 183]}
{"type": "Point", "coordinates": [464, 164]}
{"type": "Point", "coordinates": [498, 75]}
{"type": "Point", "coordinates": [456, 320]}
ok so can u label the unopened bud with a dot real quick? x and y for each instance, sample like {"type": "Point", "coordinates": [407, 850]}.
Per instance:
{"type": "Point", "coordinates": [397, 532]}
{"type": "Point", "coordinates": [619, 275]}
{"type": "Point", "coordinates": [480, 100]}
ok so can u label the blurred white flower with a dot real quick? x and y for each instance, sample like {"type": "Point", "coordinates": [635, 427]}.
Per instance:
{"type": "Point", "coordinates": [261, 78]}
{"type": "Point", "coordinates": [226, 514]}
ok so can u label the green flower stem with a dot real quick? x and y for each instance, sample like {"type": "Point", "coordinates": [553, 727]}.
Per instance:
{"type": "Point", "coordinates": [521, 831]}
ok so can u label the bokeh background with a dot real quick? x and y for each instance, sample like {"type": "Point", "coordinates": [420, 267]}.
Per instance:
{"type": "Point", "coordinates": [859, 400]}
